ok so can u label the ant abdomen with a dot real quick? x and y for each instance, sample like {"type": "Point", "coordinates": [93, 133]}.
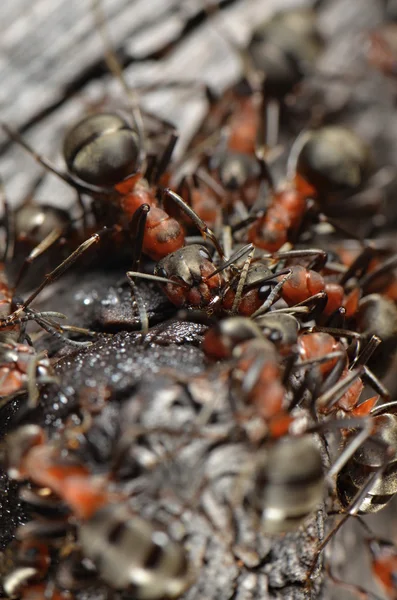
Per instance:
{"type": "Point", "coordinates": [288, 484]}
{"type": "Point", "coordinates": [334, 160]}
{"type": "Point", "coordinates": [368, 459]}
{"type": "Point", "coordinates": [102, 149]}
{"type": "Point", "coordinates": [131, 553]}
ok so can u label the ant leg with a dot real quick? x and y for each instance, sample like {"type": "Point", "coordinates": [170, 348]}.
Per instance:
{"type": "Point", "coordinates": [200, 224]}
{"type": "Point", "coordinates": [385, 267]}
{"type": "Point", "coordinates": [137, 232]}
{"type": "Point", "coordinates": [376, 384]}
{"type": "Point", "coordinates": [241, 282]}
{"type": "Point", "coordinates": [208, 180]}
{"type": "Point", "coordinates": [331, 396]}
{"type": "Point", "coordinates": [85, 188]}
{"type": "Point", "coordinates": [366, 353]}
{"type": "Point", "coordinates": [358, 266]}
{"type": "Point", "coordinates": [58, 271]}
{"type": "Point", "coordinates": [42, 247]}
{"type": "Point", "coordinates": [33, 392]}
{"type": "Point", "coordinates": [57, 330]}
{"type": "Point", "coordinates": [141, 306]}
{"type": "Point", "coordinates": [272, 296]}
{"type": "Point", "coordinates": [318, 261]}
{"type": "Point", "coordinates": [157, 278]}
{"type": "Point", "coordinates": [234, 258]}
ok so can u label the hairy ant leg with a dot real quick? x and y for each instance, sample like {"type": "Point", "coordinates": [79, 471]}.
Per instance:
{"type": "Point", "coordinates": [82, 186]}
{"type": "Point", "coordinates": [200, 224]}
{"type": "Point", "coordinates": [53, 237]}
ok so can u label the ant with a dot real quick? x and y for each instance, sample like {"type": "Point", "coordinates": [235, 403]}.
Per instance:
{"type": "Point", "coordinates": [372, 457]}
{"type": "Point", "coordinates": [279, 52]}
{"type": "Point", "coordinates": [98, 513]}
{"type": "Point", "coordinates": [104, 150]}
{"type": "Point", "coordinates": [21, 367]}
{"type": "Point", "coordinates": [325, 166]}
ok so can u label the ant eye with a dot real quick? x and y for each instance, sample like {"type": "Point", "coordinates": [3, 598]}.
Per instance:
{"type": "Point", "coordinates": [264, 291]}
{"type": "Point", "coordinates": [275, 336]}
{"type": "Point", "coordinates": [162, 272]}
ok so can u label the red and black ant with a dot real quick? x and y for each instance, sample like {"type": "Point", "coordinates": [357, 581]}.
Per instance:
{"type": "Point", "coordinates": [280, 51]}
{"type": "Point", "coordinates": [97, 511]}
{"type": "Point", "coordinates": [326, 165]}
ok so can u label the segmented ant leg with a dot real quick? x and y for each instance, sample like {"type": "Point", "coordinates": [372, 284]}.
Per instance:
{"type": "Point", "coordinates": [157, 278]}
{"type": "Point", "coordinates": [314, 304]}
{"type": "Point", "coordinates": [33, 392]}
{"type": "Point", "coordinates": [44, 315]}
{"type": "Point", "coordinates": [42, 247]}
{"type": "Point", "coordinates": [375, 383]}
{"type": "Point", "coordinates": [241, 282]}
{"type": "Point", "coordinates": [233, 259]}
{"type": "Point", "coordinates": [366, 353]}
{"type": "Point", "coordinates": [272, 297]}
{"type": "Point", "coordinates": [58, 271]}
{"type": "Point", "coordinates": [200, 224]}
{"type": "Point", "coordinates": [318, 261]}
{"type": "Point", "coordinates": [85, 188]}
{"type": "Point", "coordinates": [385, 267]}
{"type": "Point", "coordinates": [330, 397]}
{"type": "Point", "coordinates": [141, 306]}
{"type": "Point", "coordinates": [358, 266]}
{"type": "Point", "coordinates": [57, 332]}
{"type": "Point", "coordinates": [137, 232]}
{"type": "Point", "coordinates": [335, 374]}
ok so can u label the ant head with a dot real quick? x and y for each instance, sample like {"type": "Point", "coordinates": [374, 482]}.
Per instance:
{"type": "Point", "coordinates": [191, 268]}
{"type": "Point", "coordinates": [102, 149]}
{"type": "Point", "coordinates": [333, 159]}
